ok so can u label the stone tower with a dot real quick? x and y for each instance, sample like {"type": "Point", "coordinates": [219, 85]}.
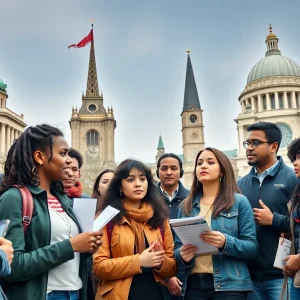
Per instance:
{"type": "Point", "coordinates": [192, 121]}
{"type": "Point", "coordinates": [160, 149]}
{"type": "Point", "coordinates": [93, 128]}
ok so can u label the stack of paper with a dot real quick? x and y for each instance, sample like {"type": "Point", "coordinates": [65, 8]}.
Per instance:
{"type": "Point", "coordinates": [189, 230]}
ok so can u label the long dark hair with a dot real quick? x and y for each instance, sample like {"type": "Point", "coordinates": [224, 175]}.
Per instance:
{"type": "Point", "coordinates": [96, 194]}
{"type": "Point", "coordinates": [153, 196]}
{"type": "Point", "coordinates": [228, 185]}
{"type": "Point", "coordinates": [293, 150]}
{"type": "Point", "coordinates": [19, 167]}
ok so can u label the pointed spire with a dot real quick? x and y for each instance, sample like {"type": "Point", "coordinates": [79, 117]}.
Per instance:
{"type": "Point", "coordinates": [272, 43]}
{"type": "Point", "coordinates": [160, 143]}
{"type": "Point", "coordinates": [92, 89]}
{"type": "Point", "coordinates": [191, 98]}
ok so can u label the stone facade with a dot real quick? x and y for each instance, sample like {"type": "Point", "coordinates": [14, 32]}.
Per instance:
{"type": "Point", "coordinates": [274, 99]}
{"type": "Point", "coordinates": [11, 125]}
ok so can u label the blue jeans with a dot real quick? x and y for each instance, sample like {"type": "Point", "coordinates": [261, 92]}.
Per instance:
{"type": "Point", "coordinates": [63, 295]}
{"type": "Point", "coordinates": [268, 290]}
{"type": "Point", "coordinates": [295, 293]}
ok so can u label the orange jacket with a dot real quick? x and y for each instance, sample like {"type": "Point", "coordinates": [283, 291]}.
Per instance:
{"type": "Point", "coordinates": [116, 265]}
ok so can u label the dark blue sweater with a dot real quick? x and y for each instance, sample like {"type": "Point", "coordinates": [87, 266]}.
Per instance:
{"type": "Point", "coordinates": [275, 191]}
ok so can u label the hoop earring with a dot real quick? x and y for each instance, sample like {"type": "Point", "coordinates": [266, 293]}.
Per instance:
{"type": "Point", "coordinates": [33, 170]}
{"type": "Point", "coordinates": [221, 178]}
{"type": "Point", "coordinates": [121, 193]}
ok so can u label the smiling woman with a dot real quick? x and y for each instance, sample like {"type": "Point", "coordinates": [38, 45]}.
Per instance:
{"type": "Point", "coordinates": [51, 257]}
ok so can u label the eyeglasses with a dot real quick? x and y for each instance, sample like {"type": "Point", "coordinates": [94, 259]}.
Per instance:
{"type": "Point", "coordinates": [254, 144]}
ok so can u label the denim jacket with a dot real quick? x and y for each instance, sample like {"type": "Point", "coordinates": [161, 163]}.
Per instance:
{"type": "Point", "coordinates": [229, 265]}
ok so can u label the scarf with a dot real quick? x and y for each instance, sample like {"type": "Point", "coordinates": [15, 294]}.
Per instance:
{"type": "Point", "coordinates": [75, 191]}
{"type": "Point", "coordinates": [137, 218]}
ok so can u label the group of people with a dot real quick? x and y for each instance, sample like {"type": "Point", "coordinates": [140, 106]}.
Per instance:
{"type": "Point", "coordinates": [138, 255]}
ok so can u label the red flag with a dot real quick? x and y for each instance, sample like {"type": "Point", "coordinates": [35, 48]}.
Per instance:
{"type": "Point", "coordinates": [86, 40]}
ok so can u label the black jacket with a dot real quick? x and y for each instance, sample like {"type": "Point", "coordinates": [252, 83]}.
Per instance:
{"type": "Point", "coordinates": [174, 204]}
{"type": "Point", "coordinates": [275, 191]}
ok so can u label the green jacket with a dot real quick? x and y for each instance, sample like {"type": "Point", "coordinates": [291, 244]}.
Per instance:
{"type": "Point", "coordinates": [33, 254]}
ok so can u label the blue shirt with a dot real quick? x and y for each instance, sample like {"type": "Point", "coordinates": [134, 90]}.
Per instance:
{"type": "Point", "coordinates": [266, 172]}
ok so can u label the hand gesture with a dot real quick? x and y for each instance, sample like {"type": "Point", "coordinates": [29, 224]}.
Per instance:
{"type": "Point", "coordinates": [263, 215]}
{"type": "Point", "coordinates": [151, 259]}
{"type": "Point", "coordinates": [292, 264]}
{"type": "Point", "coordinates": [174, 286]}
{"type": "Point", "coordinates": [87, 242]}
{"type": "Point", "coordinates": [6, 247]}
{"type": "Point", "coordinates": [214, 238]}
{"type": "Point", "coordinates": [187, 252]}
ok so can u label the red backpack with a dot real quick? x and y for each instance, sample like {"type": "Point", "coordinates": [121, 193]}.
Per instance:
{"type": "Point", "coordinates": [27, 206]}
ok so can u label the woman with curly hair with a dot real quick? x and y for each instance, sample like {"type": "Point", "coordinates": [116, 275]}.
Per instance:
{"type": "Point", "coordinates": [138, 248]}
{"type": "Point", "coordinates": [293, 261]}
{"type": "Point", "coordinates": [50, 260]}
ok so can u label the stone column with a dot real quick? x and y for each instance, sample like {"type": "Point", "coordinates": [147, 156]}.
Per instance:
{"type": "Point", "coordinates": [7, 141]}
{"type": "Point", "coordinates": [298, 100]}
{"type": "Point", "coordinates": [268, 101]}
{"type": "Point", "coordinates": [12, 135]}
{"type": "Point", "coordinates": [276, 101]}
{"type": "Point", "coordinates": [241, 138]}
{"type": "Point", "coordinates": [285, 100]}
{"type": "Point", "coordinates": [253, 106]}
{"type": "Point", "coordinates": [3, 138]}
{"type": "Point", "coordinates": [15, 134]}
{"type": "Point", "coordinates": [294, 103]}
{"type": "Point", "coordinates": [259, 101]}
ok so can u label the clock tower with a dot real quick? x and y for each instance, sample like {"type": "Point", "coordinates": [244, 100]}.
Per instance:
{"type": "Point", "coordinates": [93, 128]}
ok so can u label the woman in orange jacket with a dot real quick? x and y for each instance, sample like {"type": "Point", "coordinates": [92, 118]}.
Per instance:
{"type": "Point", "coordinates": [138, 248]}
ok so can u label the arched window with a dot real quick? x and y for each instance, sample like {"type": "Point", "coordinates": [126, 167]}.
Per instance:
{"type": "Point", "coordinates": [193, 118]}
{"type": "Point", "coordinates": [92, 138]}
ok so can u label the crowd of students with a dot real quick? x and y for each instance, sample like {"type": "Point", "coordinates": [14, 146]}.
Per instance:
{"type": "Point", "coordinates": [137, 255]}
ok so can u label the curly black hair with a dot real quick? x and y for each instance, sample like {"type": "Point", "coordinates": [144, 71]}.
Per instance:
{"type": "Point", "coordinates": [293, 149]}
{"type": "Point", "coordinates": [153, 196]}
{"type": "Point", "coordinates": [19, 167]}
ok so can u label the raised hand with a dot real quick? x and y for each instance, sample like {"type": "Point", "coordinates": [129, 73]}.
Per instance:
{"type": "Point", "coordinates": [263, 215]}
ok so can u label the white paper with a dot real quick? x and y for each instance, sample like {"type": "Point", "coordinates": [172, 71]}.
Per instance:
{"type": "Point", "coordinates": [84, 209]}
{"type": "Point", "coordinates": [108, 213]}
{"type": "Point", "coordinates": [189, 230]}
{"type": "Point", "coordinates": [283, 250]}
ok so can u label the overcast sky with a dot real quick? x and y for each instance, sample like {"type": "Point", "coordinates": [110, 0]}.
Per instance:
{"type": "Point", "coordinates": [141, 61]}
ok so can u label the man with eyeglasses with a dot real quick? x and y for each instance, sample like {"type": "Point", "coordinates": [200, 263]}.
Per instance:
{"type": "Point", "coordinates": [268, 186]}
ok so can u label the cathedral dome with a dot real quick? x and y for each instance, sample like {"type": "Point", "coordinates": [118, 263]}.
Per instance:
{"type": "Point", "coordinates": [274, 64]}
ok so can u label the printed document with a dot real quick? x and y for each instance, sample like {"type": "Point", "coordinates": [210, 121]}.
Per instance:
{"type": "Point", "coordinates": [108, 214]}
{"type": "Point", "coordinates": [283, 250]}
{"type": "Point", "coordinates": [189, 230]}
{"type": "Point", "coordinates": [85, 208]}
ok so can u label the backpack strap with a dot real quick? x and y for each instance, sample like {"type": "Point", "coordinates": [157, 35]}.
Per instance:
{"type": "Point", "coordinates": [27, 206]}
